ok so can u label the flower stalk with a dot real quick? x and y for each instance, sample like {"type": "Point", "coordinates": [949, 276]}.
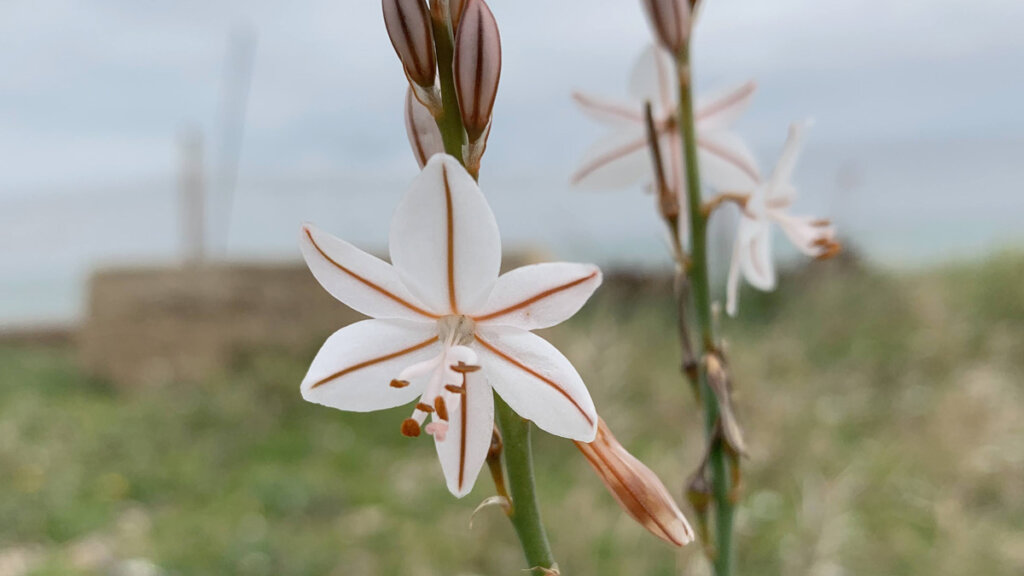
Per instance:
{"type": "Point", "coordinates": [516, 447]}
{"type": "Point", "coordinates": [524, 512]}
{"type": "Point", "coordinates": [700, 289]}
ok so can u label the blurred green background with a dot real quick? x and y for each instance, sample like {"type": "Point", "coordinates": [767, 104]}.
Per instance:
{"type": "Point", "coordinates": [885, 416]}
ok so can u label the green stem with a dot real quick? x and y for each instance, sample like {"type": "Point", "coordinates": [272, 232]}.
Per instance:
{"type": "Point", "coordinates": [700, 284]}
{"type": "Point", "coordinates": [450, 121]}
{"type": "Point", "coordinates": [517, 452]}
{"type": "Point", "coordinates": [524, 514]}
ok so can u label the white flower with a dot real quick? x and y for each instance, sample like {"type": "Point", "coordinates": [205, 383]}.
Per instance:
{"type": "Point", "coordinates": [770, 202]}
{"type": "Point", "coordinates": [446, 328]}
{"type": "Point", "coordinates": [622, 158]}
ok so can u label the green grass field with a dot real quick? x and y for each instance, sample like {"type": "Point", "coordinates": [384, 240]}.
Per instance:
{"type": "Point", "coordinates": [885, 417]}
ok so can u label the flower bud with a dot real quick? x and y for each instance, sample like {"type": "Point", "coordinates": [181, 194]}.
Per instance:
{"type": "Point", "coordinates": [455, 10]}
{"type": "Point", "coordinates": [637, 489]}
{"type": "Point", "coordinates": [477, 66]}
{"type": "Point", "coordinates": [670, 20]}
{"type": "Point", "coordinates": [420, 126]}
{"type": "Point", "coordinates": [408, 24]}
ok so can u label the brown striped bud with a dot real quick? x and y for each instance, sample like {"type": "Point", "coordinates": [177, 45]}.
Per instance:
{"type": "Point", "coordinates": [670, 20]}
{"type": "Point", "coordinates": [420, 126]}
{"type": "Point", "coordinates": [455, 10]}
{"type": "Point", "coordinates": [477, 66]}
{"type": "Point", "coordinates": [408, 24]}
{"type": "Point", "coordinates": [637, 489]}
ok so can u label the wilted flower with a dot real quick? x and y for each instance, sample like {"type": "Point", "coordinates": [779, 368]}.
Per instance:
{"type": "Point", "coordinates": [621, 158]}
{"type": "Point", "coordinates": [637, 489]}
{"type": "Point", "coordinates": [770, 202]}
{"type": "Point", "coordinates": [446, 328]}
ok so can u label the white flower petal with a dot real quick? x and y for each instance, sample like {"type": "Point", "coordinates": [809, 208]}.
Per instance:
{"type": "Point", "coordinates": [732, 285]}
{"type": "Point", "coordinates": [756, 253]}
{"type": "Point", "coordinates": [537, 381]}
{"type": "Point", "coordinates": [781, 182]}
{"type": "Point", "coordinates": [444, 240]}
{"type": "Point", "coordinates": [653, 79]}
{"type": "Point", "coordinates": [363, 282]}
{"type": "Point", "coordinates": [804, 232]}
{"type": "Point", "coordinates": [618, 160]}
{"type": "Point", "coordinates": [464, 449]}
{"type": "Point", "coordinates": [609, 113]}
{"type": "Point", "coordinates": [721, 110]}
{"type": "Point", "coordinates": [354, 368]}
{"type": "Point", "coordinates": [539, 296]}
{"type": "Point", "coordinates": [424, 135]}
{"type": "Point", "coordinates": [726, 163]}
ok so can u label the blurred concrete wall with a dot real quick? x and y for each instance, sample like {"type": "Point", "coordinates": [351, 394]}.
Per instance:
{"type": "Point", "coordinates": [144, 326]}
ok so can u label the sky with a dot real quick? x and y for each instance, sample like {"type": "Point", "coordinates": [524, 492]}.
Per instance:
{"type": "Point", "coordinates": [95, 93]}
{"type": "Point", "coordinates": [916, 150]}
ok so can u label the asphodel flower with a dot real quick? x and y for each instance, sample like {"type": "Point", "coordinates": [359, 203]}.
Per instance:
{"type": "Point", "coordinates": [445, 328]}
{"type": "Point", "coordinates": [622, 159]}
{"type": "Point", "coordinates": [636, 487]}
{"type": "Point", "coordinates": [770, 202]}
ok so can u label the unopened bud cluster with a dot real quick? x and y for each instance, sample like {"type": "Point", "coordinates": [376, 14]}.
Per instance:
{"type": "Point", "coordinates": [472, 42]}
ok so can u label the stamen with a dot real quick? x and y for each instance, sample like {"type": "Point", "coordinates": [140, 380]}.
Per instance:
{"type": "Point", "coordinates": [441, 407]}
{"type": "Point", "coordinates": [821, 222]}
{"type": "Point", "coordinates": [424, 407]}
{"type": "Point", "coordinates": [454, 389]}
{"type": "Point", "coordinates": [463, 368]}
{"type": "Point", "coordinates": [410, 428]}
{"type": "Point", "coordinates": [396, 383]}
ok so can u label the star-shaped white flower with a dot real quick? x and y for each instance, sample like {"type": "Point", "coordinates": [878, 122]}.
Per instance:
{"type": "Point", "coordinates": [622, 158]}
{"type": "Point", "coordinates": [446, 329]}
{"type": "Point", "coordinates": [770, 202]}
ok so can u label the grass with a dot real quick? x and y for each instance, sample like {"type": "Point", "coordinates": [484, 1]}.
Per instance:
{"type": "Point", "coordinates": [885, 417]}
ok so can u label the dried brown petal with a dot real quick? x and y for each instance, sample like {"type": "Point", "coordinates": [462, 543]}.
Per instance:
{"type": "Point", "coordinates": [718, 381]}
{"type": "Point", "coordinates": [420, 126]}
{"type": "Point", "coordinates": [670, 20]}
{"type": "Point", "coordinates": [477, 66]}
{"type": "Point", "coordinates": [637, 489]}
{"type": "Point", "coordinates": [408, 24]}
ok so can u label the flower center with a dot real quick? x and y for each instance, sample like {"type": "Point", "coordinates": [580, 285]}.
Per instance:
{"type": "Point", "coordinates": [446, 377]}
{"type": "Point", "coordinates": [455, 330]}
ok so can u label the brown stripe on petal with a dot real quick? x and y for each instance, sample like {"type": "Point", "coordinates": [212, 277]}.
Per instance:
{"type": "Point", "coordinates": [450, 217]}
{"type": "Point", "coordinates": [729, 157]}
{"type": "Point", "coordinates": [464, 414]}
{"type": "Point", "coordinates": [373, 361]}
{"type": "Point", "coordinates": [368, 283]}
{"type": "Point", "coordinates": [535, 374]}
{"type": "Point", "coordinates": [726, 101]}
{"type": "Point", "coordinates": [607, 158]}
{"type": "Point", "coordinates": [534, 299]}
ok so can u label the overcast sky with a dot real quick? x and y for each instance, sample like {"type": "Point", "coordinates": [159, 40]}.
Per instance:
{"type": "Point", "coordinates": [95, 92]}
